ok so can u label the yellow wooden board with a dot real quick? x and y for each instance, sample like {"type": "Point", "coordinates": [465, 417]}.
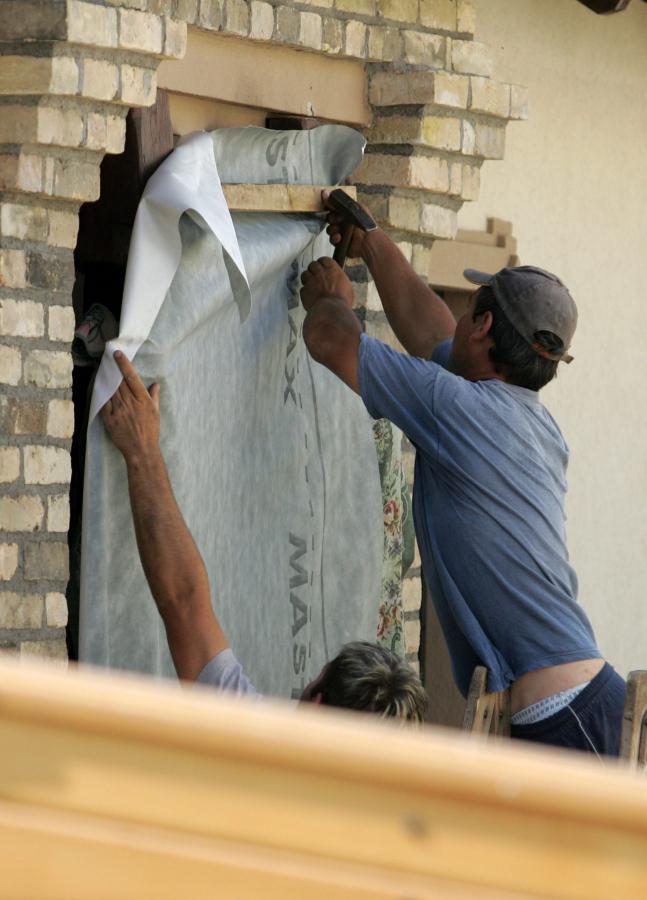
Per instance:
{"type": "Point", "coordinates": [114, 786]}
{"type": "Point", "coordinates": [277, 197]}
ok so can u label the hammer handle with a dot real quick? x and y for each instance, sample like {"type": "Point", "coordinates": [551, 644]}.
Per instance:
{"type": "Point", "coordinates": [341, 250]}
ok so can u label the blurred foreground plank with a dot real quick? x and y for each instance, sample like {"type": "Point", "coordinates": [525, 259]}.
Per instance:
{"type": "Point", "coordinates": [120, 787]}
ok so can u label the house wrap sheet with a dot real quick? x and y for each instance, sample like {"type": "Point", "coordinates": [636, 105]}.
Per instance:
{"type": "Point", "coordinates": [271, 457]}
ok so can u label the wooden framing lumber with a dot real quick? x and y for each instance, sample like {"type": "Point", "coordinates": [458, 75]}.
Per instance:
{"type": "Point", "coordinates": [277, 197]}
{"type": "Point", "coordinates": [120, 787]}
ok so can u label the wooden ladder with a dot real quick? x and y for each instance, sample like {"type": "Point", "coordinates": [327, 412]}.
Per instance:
{"type": "Point", "coordinates": [486, 713]}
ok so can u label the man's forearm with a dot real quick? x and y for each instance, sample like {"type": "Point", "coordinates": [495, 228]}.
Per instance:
{"type": "Point", "coordinates": [173, 566]}
{"type": "Point", "coordinates": [419, 318]}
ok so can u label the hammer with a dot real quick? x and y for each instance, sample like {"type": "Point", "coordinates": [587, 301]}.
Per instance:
{"type": "Point", "coordinates": [354, 217]}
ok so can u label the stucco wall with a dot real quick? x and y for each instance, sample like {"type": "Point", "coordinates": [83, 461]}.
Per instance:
{"type": "Point", "coordinates": [574, 183]}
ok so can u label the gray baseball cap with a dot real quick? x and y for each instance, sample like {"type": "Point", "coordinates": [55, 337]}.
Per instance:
{"type": "Point", "coordinates": [533, 300]}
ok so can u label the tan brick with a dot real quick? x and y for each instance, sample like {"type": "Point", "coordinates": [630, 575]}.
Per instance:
{"type": "Point", "coordinates": [61, 323]}
{"type": "Point", "coordinates": [60, 418]}
{"type": "Point", "coordinates": [12, 268]}
{"type": "Point", "coordinates": [21, 513]}
{"type": "Point", "coordinates": [19, 415]}
{"type": "Point", "coordinates": [91, 24]}
{"type": "Point", "coordinates": [438, 14]}
{"type": "Point", "coordinates": [19, 124]}
{"type": "Point", "coordinates": [466, 17]}
{"type": "Point", "coordinates": [287, 24]}
{"type": "Point", "coordinates": [63, 229]}
{"type": "Point", "coordinates": [422, 49]}
{"type": "Point", "coordinates": [74, 180]}
{"type": "Point", "coordinates": [411, 594]}
{"type": "Point", "coordinates": [9, 464]}
{"type": "Point", "coordinates": [65, 76]}
{"type": "Point", "coordinates": [21, 172]}
{"type": "Point", "coordinates": [429, 173]}
{"type": "Point", "coordinates": [140, 31]}
{"type": "Point", "coordinates": [471, 58]}
{"type": "Point", "coordinates": [421, 262]}
{"type": "Point", "coordinates": [456, 179]}
{"type": "Point", "coordinates": [137, 86]}
{"type": "Point", "coordinates": [46, 561]}
{"type": "Point", "coordinates": [211, 14]}
{"type": "Point", "coordinates": [48, 369]}
{"type": "Point", "coordinates": [21, 318]}
{"type": "Point", "coordinates": [377, 168]}
{"type": "Point", "coordinates": [8, 561]}
{"type": "Point", "coordinates": [384, 43]}
{"type": "Point", "coordinates": [396, 130]}
{"type": "Point", "coordinates": [389, 88]}
{"type": "Point", "coordinates": [451, 90]}
{"type": "Point", "coordinates": [489, 96]}
{"type": "Point", "coordinates": [438, 221]}
{"type": "Point", "coordinates": [518, 102]}
{"type": "Point", "coordinates": [46, 465]}
{"type": "Point", "coordinates": [310, 29]}
{"type": "Point", "coordinates": [411, 635]}
{"type": "Point", "coordinates": [471, 182]}
{"type": "Point", "coordinates": [58, 513]}
{"type": "Point", "coordinates": [55, 610]}
{"type": "Point", "coordinates": [468, 140]}
{"type": "Point", "coordinates": [25, 75]}
{"type": "Point", "coordinates": [490, 141]}
{"type": "Point", "coordinates": [237, 17]}
{"type": "Point", "coordinates": [116, 134]}
{"type": "Point", "coordinates": [28, 223]}
{"type": "Point", "coordinates": [442, 133]}
{"type": "Point", "coordinates": [100, 79]}
{"type": "Point", "coordinates": [61, 127]}
{"type": "Point", "coordinates": [262, 21]}
{"type": "Point", "coordinates": [399, 10]}
{"type": "Point", "coordinates": [355, 39]}
{"type": "Point", "coordinates": [357, 7]}
{"type": "Point", "coordinates": [187, 10]}
{"type": "Point", "coordinates": [404, 213]}
{"type": "Point", "coordinates": [10, 365]}
{"type": "Point", "coordinates": [175, 37]}
{"type": "Point", "coordinates": [53, 651]}
{"type": "Point", "coordinates": [20, 610]}
{"type": "Point", "coordinates": [332, 39]}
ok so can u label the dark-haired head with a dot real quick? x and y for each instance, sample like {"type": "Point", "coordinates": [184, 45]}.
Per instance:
{"type": "Point", "coordinates": [512, 356]}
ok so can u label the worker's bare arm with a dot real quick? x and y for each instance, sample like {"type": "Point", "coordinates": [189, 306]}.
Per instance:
{"type": "Point", "coordinates": [331, 329]}
{"type": "Point", "coordinates": [418, 316]}
{"type": "Point", "coordinates": [170, 558]}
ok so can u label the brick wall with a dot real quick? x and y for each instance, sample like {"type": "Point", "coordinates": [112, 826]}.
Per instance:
{"type": "Point", "coordinates": [69, 71]}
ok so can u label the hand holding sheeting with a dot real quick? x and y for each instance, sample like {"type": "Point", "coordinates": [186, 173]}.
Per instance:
{"type": "Point", "coordinates": [131, 416]}
{"type": "Point", "coordinates": [324, 278]}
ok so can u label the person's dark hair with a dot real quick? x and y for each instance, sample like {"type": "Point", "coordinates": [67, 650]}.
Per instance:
{"type": "Point", "coordinates": [368, 677]}
{"type": "Point", "coordinates": [512, 355]}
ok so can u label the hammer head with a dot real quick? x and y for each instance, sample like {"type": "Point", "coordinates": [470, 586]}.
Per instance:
{"type": "Point", "coordinates": [354, 217]}
{"type": "Point", "coordinates": [351, 210]}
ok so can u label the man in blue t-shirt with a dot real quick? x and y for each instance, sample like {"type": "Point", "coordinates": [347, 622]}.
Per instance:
{"type": "Point", "coordinates": [490, 475]}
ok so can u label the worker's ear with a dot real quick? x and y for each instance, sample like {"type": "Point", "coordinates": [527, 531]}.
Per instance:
{"type": "Point", "coordinates": [482, 325]}
{"type": "Point", "coordinates": [317, 699]}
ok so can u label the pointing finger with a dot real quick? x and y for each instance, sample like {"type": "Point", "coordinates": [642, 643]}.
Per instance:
{"type": "Point", "coordinates": [132, 379]}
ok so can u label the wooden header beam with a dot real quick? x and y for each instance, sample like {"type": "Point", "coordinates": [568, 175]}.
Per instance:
{"type": "Point", "coordinates": [283, 198]}
{"type": "Point", "coordinates": [122, 787]}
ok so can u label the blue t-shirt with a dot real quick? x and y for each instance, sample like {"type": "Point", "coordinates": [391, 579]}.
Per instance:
{"type": "Point", "coordinates": [488, 505]}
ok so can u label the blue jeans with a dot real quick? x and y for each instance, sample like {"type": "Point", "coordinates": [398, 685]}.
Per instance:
{"type": "Point", "coordinates": [591, 722]}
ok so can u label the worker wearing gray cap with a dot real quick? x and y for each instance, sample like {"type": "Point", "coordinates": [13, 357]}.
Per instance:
{"type": "Point", "coordinates": [490, 475]}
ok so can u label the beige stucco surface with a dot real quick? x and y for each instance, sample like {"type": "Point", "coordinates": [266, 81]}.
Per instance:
{"type": "Point", "coordinates": [574, 183]}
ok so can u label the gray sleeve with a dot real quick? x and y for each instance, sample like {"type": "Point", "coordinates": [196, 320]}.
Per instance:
{"type": "Point", "coordinates": [225, 672]}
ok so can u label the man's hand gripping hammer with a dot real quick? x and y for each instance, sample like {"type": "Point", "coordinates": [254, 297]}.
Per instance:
{"type": "Point", "coordinates": [354, 216]}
